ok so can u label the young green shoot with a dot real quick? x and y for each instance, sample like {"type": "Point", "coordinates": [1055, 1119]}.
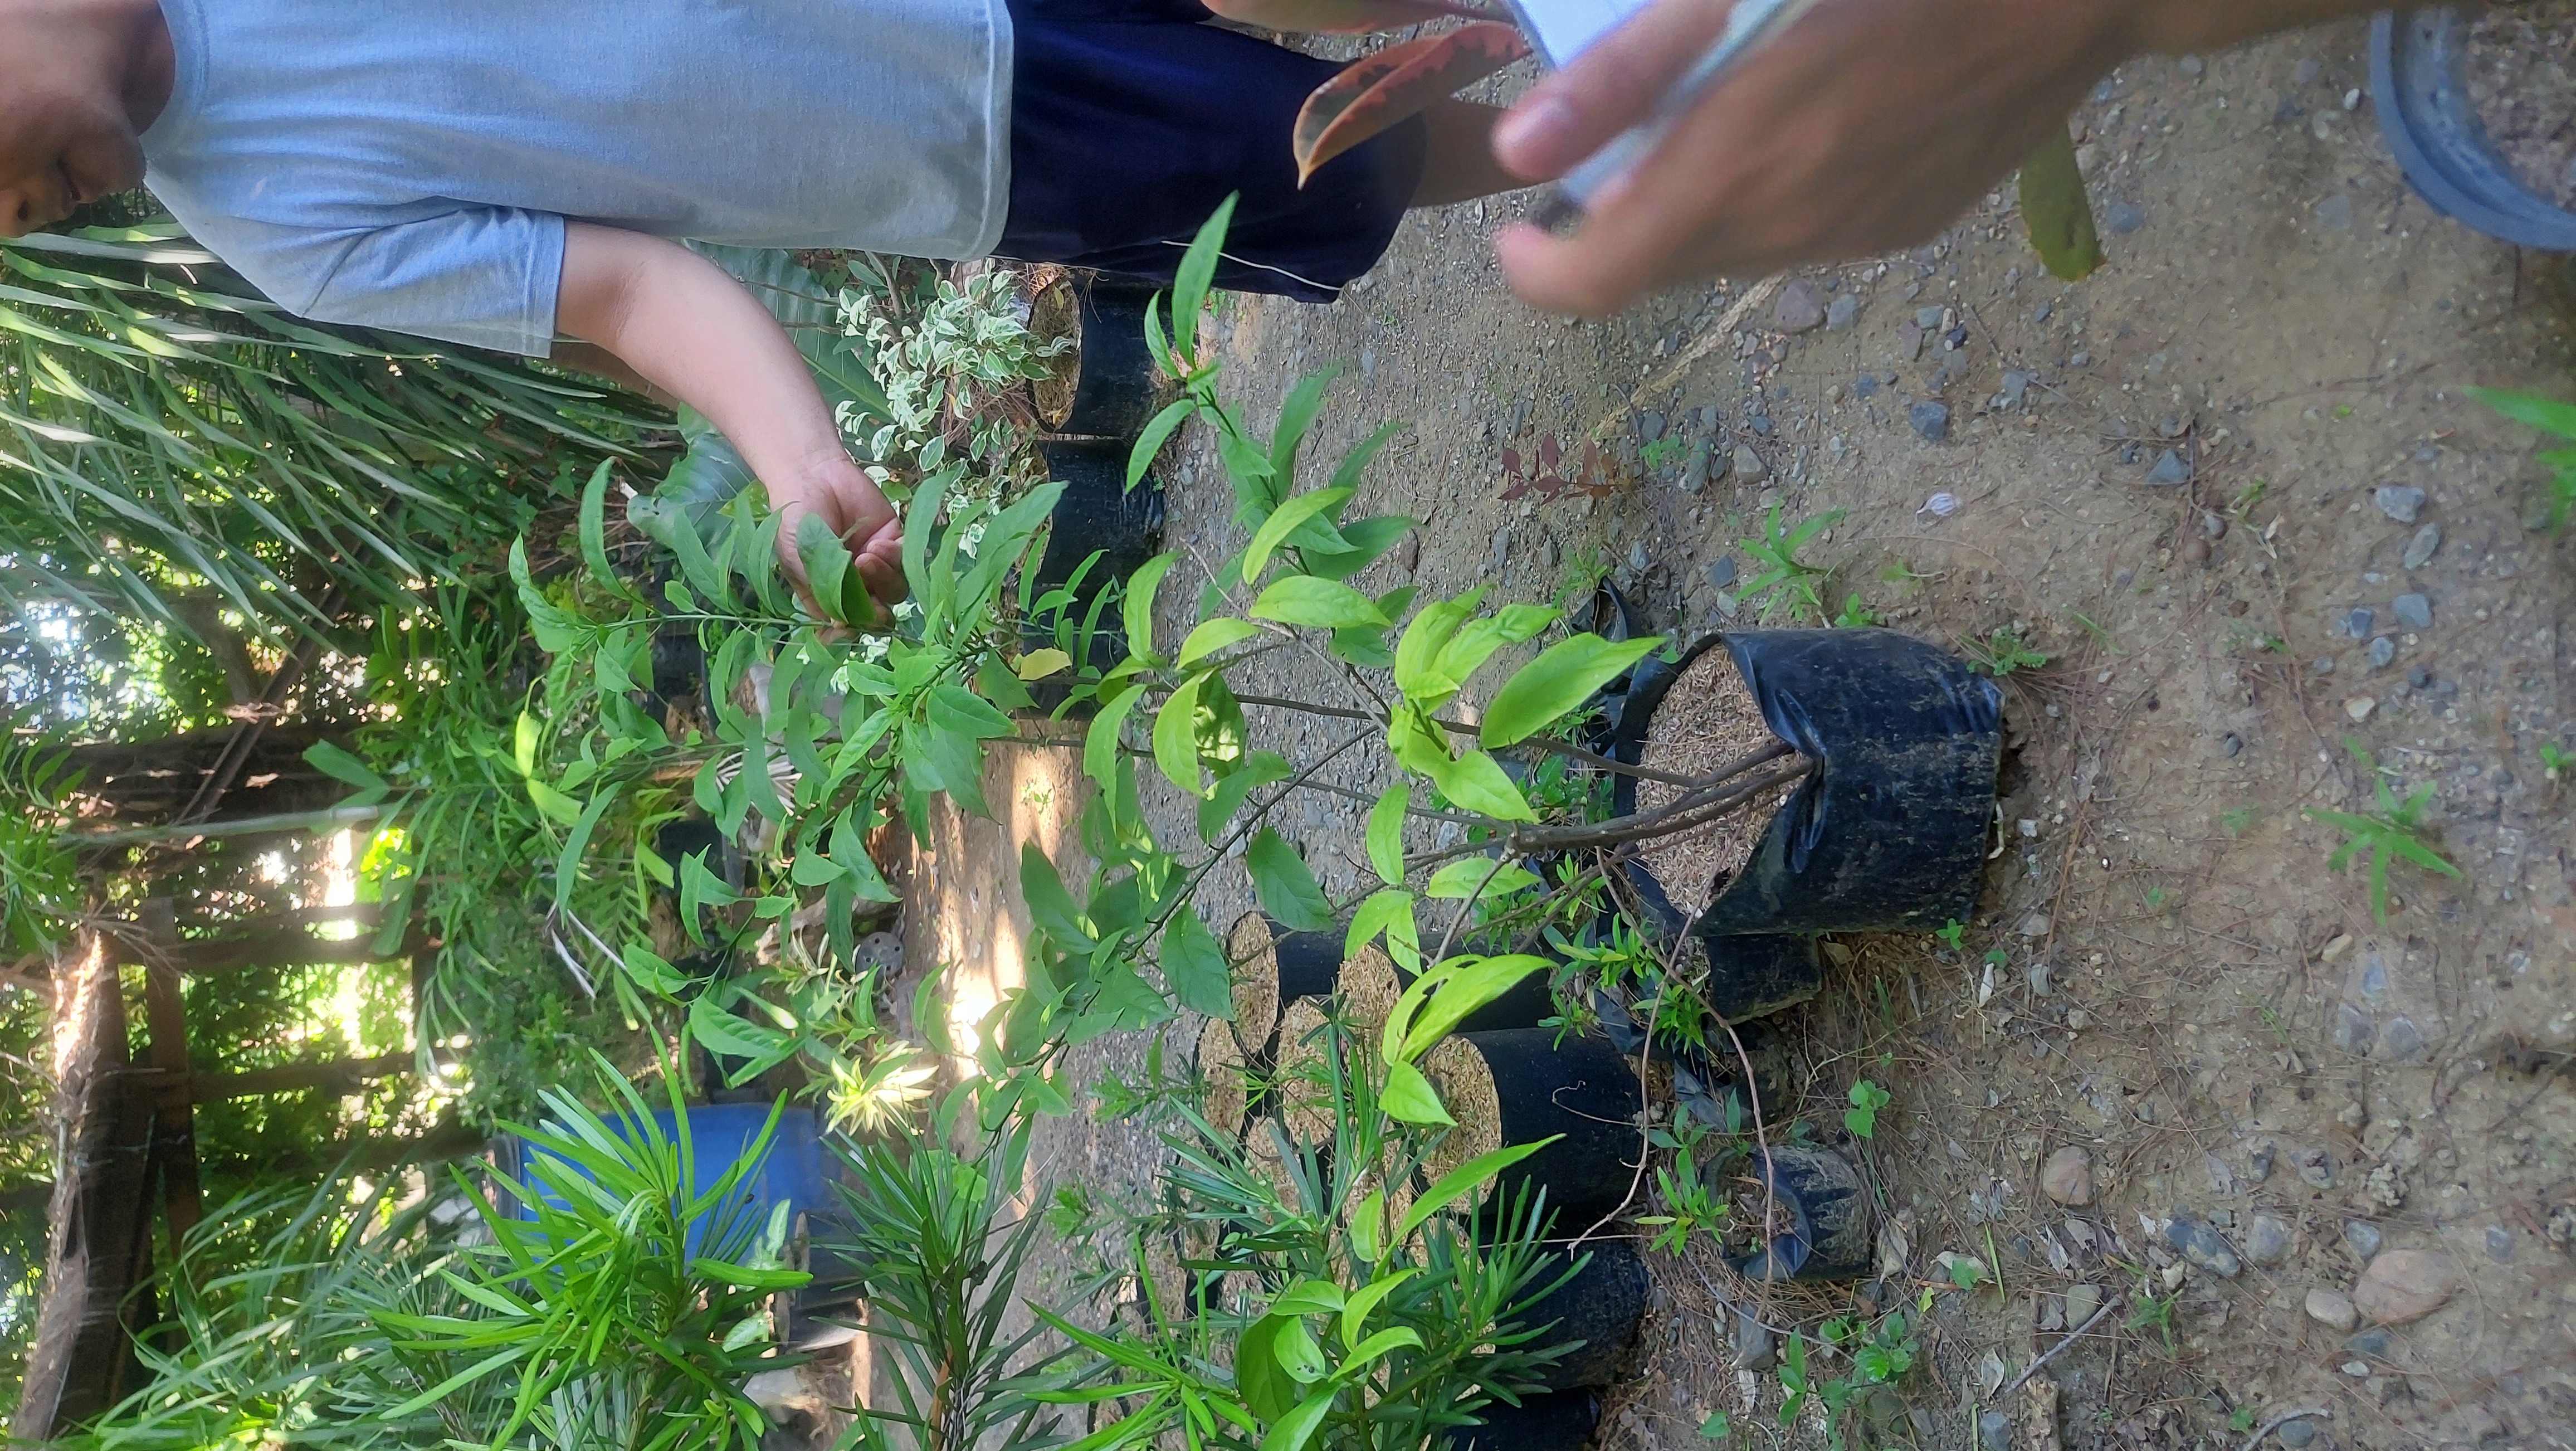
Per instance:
{"type": "Point", "coordinates": [2002, 652]}
{"type": "Point", "coordinates": [2386, 833]}
{"type": "Point", "coordinates": [1787, 582]}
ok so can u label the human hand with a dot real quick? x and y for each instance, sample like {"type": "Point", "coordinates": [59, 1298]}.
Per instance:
{"type": "Point", "coordinates": [1867, 126]}
{"type": "Point", "coordinates": [836, 491]}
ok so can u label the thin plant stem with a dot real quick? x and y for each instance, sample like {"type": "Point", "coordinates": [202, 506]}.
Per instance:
{"type": "Point", "coordinates": [1555, 748]}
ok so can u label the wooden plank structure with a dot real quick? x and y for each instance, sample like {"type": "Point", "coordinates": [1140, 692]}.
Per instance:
{"type": "Point", "coordinates": [126, 1138]}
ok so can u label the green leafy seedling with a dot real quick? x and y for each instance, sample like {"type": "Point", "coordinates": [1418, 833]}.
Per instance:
{"type": "Point", "coordinates": [2386, 833]}
{"type": "Point", "coordinates": [1857, 615]}
{"type": "Point", "coordinates": [2003, 652]}
{"type": "Point", "coordinates": [2553, 418]}
{"type": "Point", "coordinates": [1953, 935]}
{"type": "Point", "coordinates": [1786, 581]}
{"type": "Point", "coordinates": [1861, 1118]}
{"type": "Point", "coordinates": [1663, 453]}
{"type": "Point", "coordinates": [2237, 818]}
{"type": "Point", "coordinates": [2554, 762]}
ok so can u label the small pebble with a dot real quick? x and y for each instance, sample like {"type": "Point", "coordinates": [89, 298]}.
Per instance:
{"type": "Point", "coordinates": [1865, 386]}
{"type": "Point", "coordinates": [1941, 505]}
{"type": "Point", "coordinates": [2413, 611]}
{"type": "Point", "coordinates": [1798, 310]}
{"type": "Point", "coordinates": [2122, 218]}
{"type": "Point", "coordinates": [1637, 559]}
{"type": "Point", "coordinates": [2232, 744]}
{"type": "Point", "coordinates": [2401, 502]}
{"type": "Point", "coordinates": [1722, 573]}
{"type": "Point", "coordinates": [2382, 651]}
{"type": "Point", "coordinates": [2335, 212]}
{"type": "Point", "coordinates": [2067, 1177]}
{"type": "Point", "coordinates": [2332, 1310]}
{"type": "Point", "coordinates": [2361, 1237]}
{"type": "Point", "coordinates": [2357, 623]}
{"type": "Point", "coordinates": [2419, 677]}
{"type": "Point", "coordinates": [1928, 319]}
{"type": "Point", "coordinates": [2193, 65]}
{"type": "Point", "coordinates": [2201, 1245]}
{"type": "Point", "coordinates": [2420, 549]}
{"type": "Point", "coordinates": [1748, 466]}
{"type": "Point", "coordinates": [1502, 546]}
{"type": "Point", "coordinates": [2499, 1244]}
{"type": "Point", "coordinates": [1994, 1431]}
{"type": "Point", "coordinates": [2267, 1241]}
{"type": "Point", "coordinates": [2360, 707]}
{"type": "Point", "coordinates": [1756, 1348]}
{"type": "Point", "coordinates": [1931, 420]}
{"type": "Point", "coordinates": [2296, 1435]}
{"type": "Point", "coordinates": [1843, 313]}
{"type": "Point", "coordinates": [2405, 1284]}
{"type": "Point", "coordinates": [2373, 1343]}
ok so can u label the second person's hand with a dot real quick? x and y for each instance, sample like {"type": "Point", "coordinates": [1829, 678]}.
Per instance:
{"type": "Point", "coordinates": [1867, 126]}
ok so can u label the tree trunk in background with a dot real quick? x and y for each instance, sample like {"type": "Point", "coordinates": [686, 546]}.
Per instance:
{"type": "Point", "coordinates": [146, 783]}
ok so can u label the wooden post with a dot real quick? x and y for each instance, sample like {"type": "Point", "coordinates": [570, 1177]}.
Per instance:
{"type": "Point", "coordinates": [174, 1118]}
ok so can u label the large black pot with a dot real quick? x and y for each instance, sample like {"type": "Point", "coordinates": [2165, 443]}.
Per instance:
{"type": "Point", "coordinates": [1099, 521]}
{"type": "Point", "coordinates": [1114, 395]}
{"type": "Point", "coordinates": [1827, 1207]}
{"type": "Point", "coordinates": [1576, 1089]}
{"type": "Point", "coordinates": [1559, 1422]}
{"type": "Point", "coordinates": [1888, 833]}
{"type": "Point", "coordinates": [1600, 1306]}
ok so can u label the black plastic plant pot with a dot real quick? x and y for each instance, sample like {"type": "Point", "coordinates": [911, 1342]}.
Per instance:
{"type": "Point", "coordinates": [1273, 966]}
{"type": "Point", "coordinates": [1601, 1306]}
{"type": "Point", "coordinates": [1563, 1421]}
{"type": "Point", "coordinates": [679, 665]}
{"type": "Point", "coordinates": [1521, 1085]}
{"type": "Point", "coordinates": [1888, 832]}
{"type": "Point", "coordinates": [1098, 515]}
{"type": "Point", "coordinates": [1824, 1205]}
{"type": "Point", "coordinates": [1115, 395]}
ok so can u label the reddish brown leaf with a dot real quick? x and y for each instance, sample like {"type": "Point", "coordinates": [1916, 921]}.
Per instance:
{"type": "Point", "coordinates": [1373, 94]}
{"type": "Point", "coordinates": [1549, 455]}
{"type": "Point", "coordinates": [1341, 17]}
{"type": "Point", "coordinates": [1511, 463]}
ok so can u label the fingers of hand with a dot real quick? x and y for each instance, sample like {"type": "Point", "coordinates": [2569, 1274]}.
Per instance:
{"type": "Point", "coordinates": [1614, 85]}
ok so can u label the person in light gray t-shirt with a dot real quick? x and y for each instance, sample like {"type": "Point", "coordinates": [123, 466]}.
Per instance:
{"type": "Point", "coordinates": [517, 174]}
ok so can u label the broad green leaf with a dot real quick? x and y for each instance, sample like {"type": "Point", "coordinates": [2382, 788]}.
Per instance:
{"type": "Point", "coordinates": [1367, 1217]}
{"type": "Point", "coordinates": [2549, 415]}
{"type": "Point", "coordinates": [735, 1036]}
{"type": "Point", "coordinates": [1356, 462]}
{"type": "Point", "coordinates": [1190, 284]}
{"type": "Point", "coordinates": [1296, 1428]}
{"type": "Point", "coordinates": [1424, 639]}
{"type": "Point", "coordinates": [1386, 834]}
{"type": "Point", "coordinates": [1477, 640]}
{"type": "Point", "coordinates": [1140, 459]}
{"type": "Point", "coordinates": [650, 972]}
{"type": "Point", "coordinates": [1100, 742]}
{"type": "Point", "coordinates": [1139, 602]}
{"type": "Point", "coordinates": [1383, 1343]}
{"type": "Point", "coordinates": [1366, 539]}
{"type": "Point", "coordinates": [1265, 1387]}
{"type": "Point", "coordinates": [1039, 664]}
{"type": "Point", "coordinates": [1478, 876]}
{"type": "Point", "coordinates": [1460, 993]}
{"type": "Point", "coordinates": [1355, 1310]}
{"type": "Point", "coordinates": [1561, 679]}
{"type": "Point", "coordinates": [1176, 742]}
{"type": "Point", "coordinates": [568, 862]}
{"type": "Point", "coordinates": [1476, 781]}
{"type": "Point", "coordinates": [1449, 1188]}
{"type": "Point", "coordinates": [1308, 1297]}
{"type": "Point", "coordinates": [1299, 1355]}
{"type": "Point", "coordinates": [1051, 907]}
{"type": "Point", "coordinates": [557, 806]}
{"type": "Point", "coordinates": [1286, 888]}
{"type": "Point", "coordinates": [1284, 520]}
{"type": "Point", "coordinates": [2058, 213]}
{"type": "Point", "coordinates": [343, 767]}
{"type": "Point", "coordinates": [1390, 912]}
{"type": "Point", "coordinates": [1323, 604]}
{"type": "Point", "coordinates": [1212, 636]}
{"type": "Point", "coordinates": [1296, 415]}
{"type": "Point", "coordinates": [1194, 964]}
{"type": "Point", "coordinates": [1410, 1097]}
{"type": "Point", "coordinates": [1225, 797]}
{"type": "Point", "coordinates": [594, 534]}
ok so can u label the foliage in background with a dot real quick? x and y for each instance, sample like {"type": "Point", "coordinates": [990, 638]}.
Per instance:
{"type": "Point", "coordinates": [624, 1312]}
{"type": "Point", "coordinates": [40, 890]}
{"type": "Point", "coordinates": [2551, 417]}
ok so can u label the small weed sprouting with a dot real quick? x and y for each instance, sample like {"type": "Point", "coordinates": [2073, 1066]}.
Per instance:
{"type": "Point", "coordinates": [1664, 453]}
{"type": "Point", "coordinates": [1998, 957]}
{"type": "Point", "coordinates": [2237, 818]}
{"type": "Point", "coordinates": [1857, 615]}
{"type": "Point", "coordinates": [2155, 1312]}
{"type": "Point", "coordinates": [2554, 762]}
{"type": "Point", "coordinates": [1716, 1427]}
{"type": "Point", "coordinates": [1953, 935]}
{"type": "Point", "coordinates": [1788, 582]}
{"type": "Point", "coordinates": [1693, 1205]}
{"type": "Point", "coordinates": [2553, 418]}
{"type": "Point", "coordinates": [2241, 1420]}
{"type": "Point", "coordinates": [1861, 1118]}
{"type": "Point", "coordinates": [2101, 637]}
{"type": "Point", "coordinates": [1550, 479]}
{"type": "Point", "coordinates": [2155, 898]}
{"type": "Point", "coordinates": [2386, 833]}
{"type": "Point", "coordinates": [1881, 1354]}
{"type": "Point", "coordinates": [2003, 652]}
{"type": "Point", "coordinates": [2247, 497]}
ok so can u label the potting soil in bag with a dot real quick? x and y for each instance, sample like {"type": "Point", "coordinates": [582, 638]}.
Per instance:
{"type": "Point", "coordinates": [1888, 831]}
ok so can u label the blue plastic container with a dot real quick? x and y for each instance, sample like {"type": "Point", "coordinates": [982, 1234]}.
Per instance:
{"type": "Point", "coordinates": [2425, 113]}
{"type": "Point", "coordinates": [795, 1170]}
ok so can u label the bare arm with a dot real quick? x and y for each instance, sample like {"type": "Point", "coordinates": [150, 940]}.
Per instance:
{"type": "Point", "coordinates": [1868, 126]}
{"type": "Point", "coordinates": [679, 323]}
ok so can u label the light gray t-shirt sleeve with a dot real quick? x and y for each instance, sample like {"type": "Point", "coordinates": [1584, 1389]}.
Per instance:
{"type": "Point", "coordinates": [486, 277]}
